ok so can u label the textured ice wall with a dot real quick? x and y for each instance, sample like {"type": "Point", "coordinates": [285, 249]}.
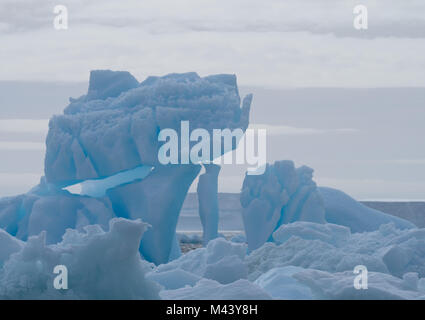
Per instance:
{"type": "Point", "coordinates": [115, 126]}
{"type": "Point", "coordinates": [283, 194]}
{"type": "Point", "coordinates": [47, 208]}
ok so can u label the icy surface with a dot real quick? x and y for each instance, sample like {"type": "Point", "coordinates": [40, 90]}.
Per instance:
{"type": "Point", "coordinates": [283, 194]}
{"type": "Point", "coordinates": [280, 284]}
{"type": "Point", "coordinates": [115, 126]}
{"type": "Point", "coordinates": [343, 210]}
{"type": "Point", "coordinates": [174, 278]}
{"type": "Point", "coordinates": [304, 244]}
{"type": "Point", "coordinates": [52, 210]}
{"type": "Point", "coordinates": [8, 245]}
{"type": "Point", "coordinates": [111, 135]}
{"type": "Point", "coordinates": [157, 200]}
{"type": "Point", "coordinates": [208, 201]}
{"type": "Point", "coordinates": [221, 260]}
{"type": "Point", "coordinates": [381, 286]}
{"type": "Point", "coordinates": [212, 290]}
{"type": "Point", "coordinates": [308, 261]}
{"type": "Point", "coordinates": [101, 265]}
{"type": "Point", "coordinates": [330, 233]}
{"type": "Point", "coordinates": [98, 188]}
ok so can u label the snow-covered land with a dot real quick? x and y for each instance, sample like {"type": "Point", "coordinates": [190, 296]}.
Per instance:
{"type": "Point", "coordinates": [118, 238]}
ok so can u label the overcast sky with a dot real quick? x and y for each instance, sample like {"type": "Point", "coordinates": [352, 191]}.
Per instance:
{"type": "Point", "coordinates": [369, 144]}
{"type": "Point", "coordinates": [273, 42]}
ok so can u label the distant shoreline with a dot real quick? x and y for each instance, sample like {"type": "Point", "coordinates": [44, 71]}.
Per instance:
{"type": "Point", "coordinates": [231, 220]}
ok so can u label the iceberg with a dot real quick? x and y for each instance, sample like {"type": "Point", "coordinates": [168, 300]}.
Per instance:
{"type": "Point", "coordinates": [108, 141]}
{"type": "Point", "coordinates": [114, 129]}
{"type": "Point", "coordinates": [115, 126]}
{"type": "Point", "coordinates": [285, 194]}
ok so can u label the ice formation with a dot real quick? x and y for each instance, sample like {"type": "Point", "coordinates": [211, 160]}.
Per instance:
{"type": "Point", "coordinates": [115, 126]}
{"type": "Point", "coordinates": [220, 260]}
{"type": "Point", "coordinates": [280, 284]}
{"type": "Point", "coordinates": [48, 208]}
{"type": "Point", "coordinates": [212, 290]}
{"type": "Point", "coordinates": [344, 210]}
{"type": "Point", "coordinates": [307, 260]}
{"type": "Point", "coordinates": [285, 194]}
{"type": "Point", "coordinates": [107, 140]}
{"type": "Point", "coordinates": [316, 261]}
{"type": "Point", "coordinates": [208, 201]}
{"type": "Point", "coordinates": [103, 265]}
{"type": "Point", "coordinates": [334, 248]}
{"type": "Point", "coordinates": [301, 241]}
{"type": "Point", "coordinates": [381, 286]}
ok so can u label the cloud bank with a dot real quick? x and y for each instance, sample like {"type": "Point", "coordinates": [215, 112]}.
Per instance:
{"type": "Point", "coordinates": [273, 43]}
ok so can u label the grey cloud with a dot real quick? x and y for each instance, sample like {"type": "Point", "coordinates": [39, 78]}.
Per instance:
{"type": "Point", "coordinates": [393, 18]}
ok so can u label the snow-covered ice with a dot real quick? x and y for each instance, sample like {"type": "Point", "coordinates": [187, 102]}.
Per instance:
{"type": "Point", "coordinates": [212, 290]}
{"type": "Point", "coordinates": [102, 265]}
{"type": "Point", "coordinates": [307, 261]}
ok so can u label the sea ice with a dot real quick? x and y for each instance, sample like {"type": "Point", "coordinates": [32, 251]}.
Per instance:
{"type": "Point", "coordinates": [306, 245]}
{"type": "Point", "coordinates": [212, 290]}
{"type": "Point", "coordinates": [102, 265]}
{"type": "Point", "coordinates": [280, 284]}
{"type": "Point", "coordinates": [220, 260]}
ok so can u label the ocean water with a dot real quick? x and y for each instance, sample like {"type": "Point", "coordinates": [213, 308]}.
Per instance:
{"type": "Point", "coordinates": [231, 218]}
